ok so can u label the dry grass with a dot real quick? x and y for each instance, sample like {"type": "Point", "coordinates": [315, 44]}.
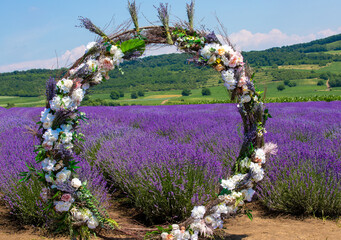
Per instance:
{"type": "Point", "coordinates": [301, 67]}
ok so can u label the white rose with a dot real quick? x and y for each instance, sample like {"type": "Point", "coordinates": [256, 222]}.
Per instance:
{"type": "Point", "coordinates": [164, 235]}
{"type": "Point", "coordinates": [78, 95]}
{"type": "Point", "coordinates": [175, 227]}
{"type": "Point", "coordinates": [260, 154]}
{"type": "Point", "coordinates": [66, 137]}
{"type": "Point", "coordinates": [76, 183]}
{"type": "Point", "coordinates": [209, 219]}
{"type": "Point", "coordinates": [62, 206]}
{"type": "Point", "coordinates": [245, 99]}
{"type": "Point", "coordinates": [186, 235]}
{"type": "Point", "coordinates": [257, 172]}
{"type": "Point", "coordinates": [113, 49]}
{"type": "Point", "coordinates": [44, 114]}
{"type": "Point", "coordinates": [67, 102]}
{"type": "Point", "coordinates": [92, 222]}
{"type": "Point", "coordinates": [92, 65]}
{"type": "Point", "coordinates": [228, 184]}
{"type": "Point", "coordinates": [198, 212]}
{"type": "Point", "coordinates": [63, 175]}
{"type": "Point", "coordinates": [48, 164]}
{"type": "Point", "coordinates": [98, 78]}
{"type": "Point", "coordinates": [236, 194]}
{"type": "Point", "coordinates": [248, 194]}
{"type": "Point", "coordinates": [55, 103]}
{"type": "Point", "coordinates": [48, 178]}
{"type": "Point", "coordinates": [228, 77]}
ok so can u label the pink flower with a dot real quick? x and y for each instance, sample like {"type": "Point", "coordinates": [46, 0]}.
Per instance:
{"type": "Point", "coordinates": [106, 64]}
{"type": "Point", "coordinates": [236, 59]}
{"type": "Point", "coordinates": [66, 197]}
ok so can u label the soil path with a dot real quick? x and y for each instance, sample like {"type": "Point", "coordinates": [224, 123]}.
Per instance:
{"type": "Point", "coordinates": [265, 226]}
{"type": "Point", "coordinates": [164, 101]}
{"type": "Point", "coordinates": [328, 86]}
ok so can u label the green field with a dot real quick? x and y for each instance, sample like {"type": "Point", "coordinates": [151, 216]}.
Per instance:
{"type": "Point", "coordinates": [263, 81]}
{"type": "Point", "coordinates": [22, 101]}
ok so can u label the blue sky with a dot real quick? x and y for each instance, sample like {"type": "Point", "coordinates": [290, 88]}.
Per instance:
{"type": "Point", "coordinates": [34, 32]}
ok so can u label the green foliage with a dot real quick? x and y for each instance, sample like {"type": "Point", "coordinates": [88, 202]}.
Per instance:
{"type": "Point", "coordinates": [133, 95]}
{"type": "Point", "coordinates": [292, 84]}
{"type": "Point", "coordinates": [335, 80]}
{"type": "Point", "coordinates": [121, 93]}
{"type": "Point", "coordinates": [10, 105]}
{"type": "Point", "coordinates": [132, 45]}
{"type": "Point", "coordinates": [280, 87]}
{"type": "Point", "coordinates": [186, 92]}
{"type": "Point", "coordinates": [114, 95]}
{"type": "Point", "coordinates": [324, 76]}
{"type": "Point", "coordinates": [140, 93]}
{"type": "Point", "coordinates": [306, 53]}
{"type": "Point", "coordinates": [286, 82]}
{"type": "Point", "coordinates": [320, 83]}
{"type": "Point", "coordinates": [100, 102]}
{"type": "Point", "coordinates": [206, 92]}
{"type": "Point", "coordinates": [29, 83]}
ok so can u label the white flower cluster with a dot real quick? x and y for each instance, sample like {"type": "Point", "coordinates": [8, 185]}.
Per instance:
{"type": "Point", "coordinates": [228, 62]}
{"type": "Point", "coordinates": [228, 77]}
{"type": "Point", "coordinates": [84, 215]}
{"type": "Point", "coordinates": [178, 234]}
{"type": "Point", "coordinates": [231, 183]}
{"type": "Point", "coordinates": [69, 95]}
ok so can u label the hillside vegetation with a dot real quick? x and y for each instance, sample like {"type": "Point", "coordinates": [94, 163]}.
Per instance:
{"type": "Point", "coordinates": [303, 70]}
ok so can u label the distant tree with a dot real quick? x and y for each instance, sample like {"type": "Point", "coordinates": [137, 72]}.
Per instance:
{"type": "Point", "coordinates": [320, 83]}
{"type": "Point", "coordinates": [286, 82]}
{"type": "Point", "coordinates": [280, 87]}
{"type": "Point", "coordinates": [133, 95]}
{"type": "Point", "coordinates": [114, 95]}
{"type": "Point", "coordinates": [206, 91]}
{"type": "Point", "coordinates": [121, 93]}
{"type": "Point", "coordinates": [324, 76]}
{"type": "Point", "coordinates": [140, 93]}
{"type": "Point", "coordinates": [292, 84]}
{"type": "Point", "coordinates": [186, 92]}
{"type": "Point", "coordinates": [10, 105]}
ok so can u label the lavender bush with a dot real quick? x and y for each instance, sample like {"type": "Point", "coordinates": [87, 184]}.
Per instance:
{"type": "Point", "coordinates": [169, 158]}
{"type": "Point", "coordinates": [16, 149]}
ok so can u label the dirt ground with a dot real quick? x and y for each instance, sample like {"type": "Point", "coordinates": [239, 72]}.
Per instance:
{"type": "Point", "coordinates": [265, 225]}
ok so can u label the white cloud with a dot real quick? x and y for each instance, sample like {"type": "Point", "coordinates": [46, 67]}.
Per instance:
{"type": "Point", "coordinates": [65, 60]}
{"type": "Point", "coordinates": [247, 40]}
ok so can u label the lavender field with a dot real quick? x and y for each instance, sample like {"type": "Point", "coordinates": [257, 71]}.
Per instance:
{"type": "Point", "coordinates": [167, 159]}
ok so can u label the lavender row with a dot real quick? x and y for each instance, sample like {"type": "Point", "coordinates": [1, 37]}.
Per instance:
{"type": "Point", "coordinates": [170, 158]}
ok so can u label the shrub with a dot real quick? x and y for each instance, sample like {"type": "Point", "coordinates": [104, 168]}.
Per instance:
{"type": "Point", "coordinates": [133, 95]}
{"type": "Point", "coordinates": [140, 93]}
{"type": "Point", "coordinates": [114, 95]}
{"type": "Point", "coordinates": [320, 83]}
{"type": "Point", "coordinates": [186, 92]}
{"type": "Point", "coordinates": [280, 87]}
{"type": "Point", "coordinates": [292, 84]}
{"type": "Point", "coordinates": [121, 93]}
{"type": "Point", "coordinates": [286, 82]}
{"type": "Point", "coordinates": [206, 91]}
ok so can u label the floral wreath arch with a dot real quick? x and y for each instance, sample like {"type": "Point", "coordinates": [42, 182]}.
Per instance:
{"type": "Point", "coordinates": [70, 199]}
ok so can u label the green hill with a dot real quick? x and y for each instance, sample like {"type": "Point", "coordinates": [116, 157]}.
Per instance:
{"type": "Point", "coordinates": [302, 68]}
